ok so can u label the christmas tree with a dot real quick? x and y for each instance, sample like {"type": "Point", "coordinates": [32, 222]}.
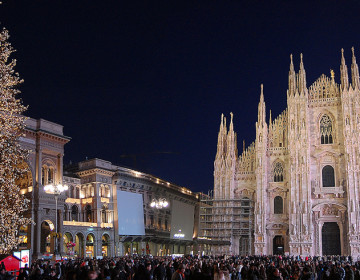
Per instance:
{"type": "Point", "coordinates": [12, 155]}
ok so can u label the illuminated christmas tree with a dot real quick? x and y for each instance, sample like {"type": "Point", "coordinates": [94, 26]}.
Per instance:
{"type": "Point", "coordinates": [12, 155]}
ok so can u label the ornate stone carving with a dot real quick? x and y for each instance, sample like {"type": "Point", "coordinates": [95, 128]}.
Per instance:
{"type": "Point", "coordinates": [329, 211]}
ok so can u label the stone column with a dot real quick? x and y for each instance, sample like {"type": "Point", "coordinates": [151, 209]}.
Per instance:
{"type": "Point", "coordinates": [340, 224]}
{"type": "Point", "coordinates": [60, 168]}
{"type": "Point", "coordinates": [37, 235]}
{"type": "Point", "coordinates": [60, 229]}
{"type": "Point", "coordinates": [320, 237]}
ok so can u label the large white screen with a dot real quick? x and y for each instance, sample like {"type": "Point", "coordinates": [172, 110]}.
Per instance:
{"type": "Point", "coordinates": [130, 213]}
{"type": "Point", "coordinates": [182, 220]}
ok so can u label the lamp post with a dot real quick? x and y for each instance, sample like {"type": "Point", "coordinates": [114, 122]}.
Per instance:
{"type": "Point", "coordinates": [159, 203]}
{"type": "Point", "coordinates": [56, 190]}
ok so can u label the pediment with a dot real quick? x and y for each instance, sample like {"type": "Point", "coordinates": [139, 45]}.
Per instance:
{"type": "Point", "coordinates": [329, 205]}
{"type": "Point", "coordinates": [276, 187]}
{"type": "Point", "coordinates": [277, 225]}
{"type": "Point", "coordinates": [325, 154]}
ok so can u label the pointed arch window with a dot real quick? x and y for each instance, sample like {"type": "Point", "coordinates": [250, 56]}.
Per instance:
{"type": "Point", "coordinates": [328, 176]}
{"type": "Point", "coordinates": [326, 130]}
{"type": "Point", "coordinates": [278, 205]}
{"type": "Point", "coordinates": [278, 172]}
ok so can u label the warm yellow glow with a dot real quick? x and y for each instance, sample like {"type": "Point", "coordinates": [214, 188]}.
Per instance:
{"type": "Point", "coordinates": [72, 200]}
{"type": "Point", "coordinates": [106, 225]}
{"type": "Point", "coordinates": [105, 200]}
{"type": "Point", "coordinates": [81, 224]}
{"type": "Point", "coordinates": [87, 200]}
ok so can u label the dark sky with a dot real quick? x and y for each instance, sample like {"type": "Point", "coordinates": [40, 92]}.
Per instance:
{"type": "Point", "coordinates": [151, 79]}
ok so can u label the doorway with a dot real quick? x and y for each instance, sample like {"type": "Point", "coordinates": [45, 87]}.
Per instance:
{"type": "Point", "coordinates": [331, 239]}
{"type": "Point", "coordinates": [278, 245]}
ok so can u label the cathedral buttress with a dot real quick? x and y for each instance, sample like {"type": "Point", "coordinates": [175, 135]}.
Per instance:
{"type": "Point", "coordinates": [300, 229]}
{"type": "Point", "coordinates": [231, 156]}
{"type": "Point", "coordinates": [219, 164]}
{"type": "Point", "coordinates": [351, 113]}
{"type": "Point", "coordinates": [354, 72]}
{"type": "Point", "coordinates": [260, 243]}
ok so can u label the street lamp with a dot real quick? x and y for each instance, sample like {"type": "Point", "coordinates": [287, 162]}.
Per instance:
{"type": "Point", "coordinates": [159, 203]}
{"type": "Point", "coordinates": [56, 190]}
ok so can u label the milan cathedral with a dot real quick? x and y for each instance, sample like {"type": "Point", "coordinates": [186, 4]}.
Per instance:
{"type": "Point", "coordinates": [301, 174]}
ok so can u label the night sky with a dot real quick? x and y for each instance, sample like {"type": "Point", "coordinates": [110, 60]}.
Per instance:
{"type": "Point", "coordinates": [143, 84]}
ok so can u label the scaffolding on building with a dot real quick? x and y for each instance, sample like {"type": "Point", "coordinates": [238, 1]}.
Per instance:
{"type": "Point", "coordinates": [227, 220]}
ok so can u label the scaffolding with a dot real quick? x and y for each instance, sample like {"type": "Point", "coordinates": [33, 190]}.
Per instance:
{"type": "Point", "coordinates": [227, 220]}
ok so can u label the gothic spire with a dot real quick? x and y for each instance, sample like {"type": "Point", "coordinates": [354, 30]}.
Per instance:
{"type": "Point", "coordinates": [354, 71]}
{"type": "Point", "coordinates": [343, 72]}
{"type": "Point", "coordinates": [231, 140]}
{"type": "Point", "coordinates": [270, 119]}
{"type": "Point", "coordinates": [221, 138]}
{"type": "Point", "coordinates": [261, 108]}
{"type": "Point", "coordinates": [302, 76]}
{"type": "Point", "coordinates": [292, 79]}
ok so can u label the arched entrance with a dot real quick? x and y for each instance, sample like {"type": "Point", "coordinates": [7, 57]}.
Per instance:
{"type": "Point", "coordinates": [105, 245]}
{"type": "Point", "coordinates": [79, 245]}
{"type": "Point", "coordinates": [90, 246]}
{"type": "Point", "coordinates": [47, 243]}
{"type": "Point", "coordinates": [278, 245]}
{"type": "Point", "coordinates": [331, 239]}
{"type": "Point", "coordinates": [69, 244]}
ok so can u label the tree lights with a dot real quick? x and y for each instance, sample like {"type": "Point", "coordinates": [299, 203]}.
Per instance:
{"type": "Point", "coordinates": [12, 156]}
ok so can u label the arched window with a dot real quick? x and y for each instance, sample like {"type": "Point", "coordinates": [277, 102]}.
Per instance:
{"type": "Point", "coordinates": [328, 176]}
{"type": "Point", "coordinates": [326, 130]}
{"type": "Point", "coordinates": [74, 213]}
{"type": "Point", "coordinates": [278, 172]}
{"type": "Point", "coordinates": [278, 205]}
{"type": "Point", "coordinates": [88, 215]}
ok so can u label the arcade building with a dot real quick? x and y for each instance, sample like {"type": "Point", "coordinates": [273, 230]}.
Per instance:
{"type": "Point", "coordinates": [107, 210]}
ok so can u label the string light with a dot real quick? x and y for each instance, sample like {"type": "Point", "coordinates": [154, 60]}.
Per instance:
{"type": "Point", "coordinates": [12, 155]}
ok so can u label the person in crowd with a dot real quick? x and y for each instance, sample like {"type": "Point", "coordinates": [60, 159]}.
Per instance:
{"type": "Point", "coordinates": [179, 273]}
{"type": "Point", "coordinates": [349, 273]}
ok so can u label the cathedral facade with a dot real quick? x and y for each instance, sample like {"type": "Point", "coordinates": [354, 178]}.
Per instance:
{"type": "Point", "coordinates": [301, 174]}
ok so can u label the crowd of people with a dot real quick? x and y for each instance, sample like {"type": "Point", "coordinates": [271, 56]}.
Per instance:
{"type": "Point", "coordinates": [192, 268]}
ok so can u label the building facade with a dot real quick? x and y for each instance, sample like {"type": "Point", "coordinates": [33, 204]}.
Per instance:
{"type": "Point", "coordinates": [299, 178]}
{"type": "Point", "coordinates": [88, 219]}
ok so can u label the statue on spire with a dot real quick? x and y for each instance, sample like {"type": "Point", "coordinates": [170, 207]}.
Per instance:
{"type": "Point", "coordinates": [344, 72]}
{"type": "Point", "coordinates": [354, 71]}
